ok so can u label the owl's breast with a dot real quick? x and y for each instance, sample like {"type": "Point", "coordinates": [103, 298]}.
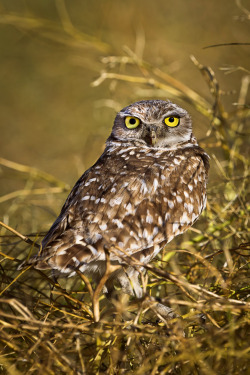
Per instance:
{"type": "Point", "coordinates": [134, 201]}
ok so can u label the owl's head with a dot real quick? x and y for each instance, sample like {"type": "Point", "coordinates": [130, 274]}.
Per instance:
{"type": "Point", "coordinates": [155, 123]}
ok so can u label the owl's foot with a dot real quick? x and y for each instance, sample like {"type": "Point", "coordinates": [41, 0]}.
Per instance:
{"type": "Point", "coordinates": [164, 312]}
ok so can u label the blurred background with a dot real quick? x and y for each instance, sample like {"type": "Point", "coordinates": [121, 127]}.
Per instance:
{"type": "Point", "coordinates": [53, 118]}
{"type": "Point", "coordinates": [66, 68]}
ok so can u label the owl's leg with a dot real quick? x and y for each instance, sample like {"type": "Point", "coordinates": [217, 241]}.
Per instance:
{"type": "Point", "coordinates": [133, 276]}
{"type": "Point", "coordinates": [54, 275]}
{"type": "Point", "coordinates": [124, 282]}
{"type": "Point", "coordinates": [150, 302]}
{"type": "Point", "coordinates": [164, 312]}
{"type": "Point", "coordinates": [129, 282]}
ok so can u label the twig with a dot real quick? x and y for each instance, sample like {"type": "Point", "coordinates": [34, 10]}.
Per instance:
{"type": "Point", "coordinates": [24, 238]}
{"type": "Point", "coordinates": [201, 107]}
{"type": "Point", "coordinates": [86, 282]}
{"type": "Point", "coordinates": [15, 279]}
{"type": "Point", "coordinates": [28, 192]}
{"type": "Point", "coordinates": [176, 280]}
{"type": "Point", "coordinates": [226, 45]}
{"type": "Point", "coordinates": [34, 172]}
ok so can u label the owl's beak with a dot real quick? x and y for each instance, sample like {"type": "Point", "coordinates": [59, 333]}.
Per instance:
{"type": "Point", "coordinates": [153, 137]}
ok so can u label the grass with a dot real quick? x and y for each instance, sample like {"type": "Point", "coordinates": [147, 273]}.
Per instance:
{"type": "Point", "coordinates": [49, 328]}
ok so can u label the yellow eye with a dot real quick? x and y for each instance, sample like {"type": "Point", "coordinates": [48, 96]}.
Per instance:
{"type": "Point", "coordinates": [172, 121]}
{"type": "Point", "coordinates": [132, 122]}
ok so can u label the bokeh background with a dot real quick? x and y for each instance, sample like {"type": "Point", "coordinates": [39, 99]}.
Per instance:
{"type": "Point", "coordinates": [55, 115]}
{"type": "Point", "coordinates": [50, 116]}
{"type": "Point", "coordinates": [54, 120]}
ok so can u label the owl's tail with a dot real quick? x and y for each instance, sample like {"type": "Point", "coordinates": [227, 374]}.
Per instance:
{"type": "Point", "coordinates": [34, 261]}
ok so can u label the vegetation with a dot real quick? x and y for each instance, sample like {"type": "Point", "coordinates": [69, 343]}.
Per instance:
{"type": "Point", "coordinates": [47, 327]}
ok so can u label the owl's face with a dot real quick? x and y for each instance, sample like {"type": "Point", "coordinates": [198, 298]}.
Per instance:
{"type": "Point", "coordinates": [155, 123]}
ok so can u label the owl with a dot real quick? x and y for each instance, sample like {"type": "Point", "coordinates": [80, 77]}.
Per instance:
{"type": "Point", "coordinates": [147, 187]}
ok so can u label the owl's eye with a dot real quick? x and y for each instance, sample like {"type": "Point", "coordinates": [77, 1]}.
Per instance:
{"type": "Point", "coordinates": [172, 121]}
{"type": "Point", "coordinates": [132, 122]}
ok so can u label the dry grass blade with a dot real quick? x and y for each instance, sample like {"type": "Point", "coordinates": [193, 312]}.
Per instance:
{"type": "Point", "coordinates": [172, 87]}
{"type": "Point", "coordinates": [26, 192]}
{"type": "Point", "coordinates": [24, 238]}
{"type": "Point", "coordinates": [34, 172]}
{"type": "Point", "coordinates": [68, 36]}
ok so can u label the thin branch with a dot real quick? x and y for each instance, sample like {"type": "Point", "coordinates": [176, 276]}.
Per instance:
{"type": "Point", "coordinates": [227, 44]}
{"type": "Point", "coordinates": [28, 192]}
{"type": "Point", "coordinates": [34, 172]}
{"type": "Point", "coordinates": [24, 238]}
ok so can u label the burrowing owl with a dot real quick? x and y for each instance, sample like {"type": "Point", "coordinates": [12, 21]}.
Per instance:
{"type": "Point", "coordinates": [147, 187]}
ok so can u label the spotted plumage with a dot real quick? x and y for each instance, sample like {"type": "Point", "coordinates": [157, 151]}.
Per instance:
{"type": "Point", "coordinates": [147, 187]}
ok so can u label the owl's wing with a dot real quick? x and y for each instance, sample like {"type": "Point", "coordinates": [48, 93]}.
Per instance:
{"type": "Point", "coordinates": [132, 201]}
